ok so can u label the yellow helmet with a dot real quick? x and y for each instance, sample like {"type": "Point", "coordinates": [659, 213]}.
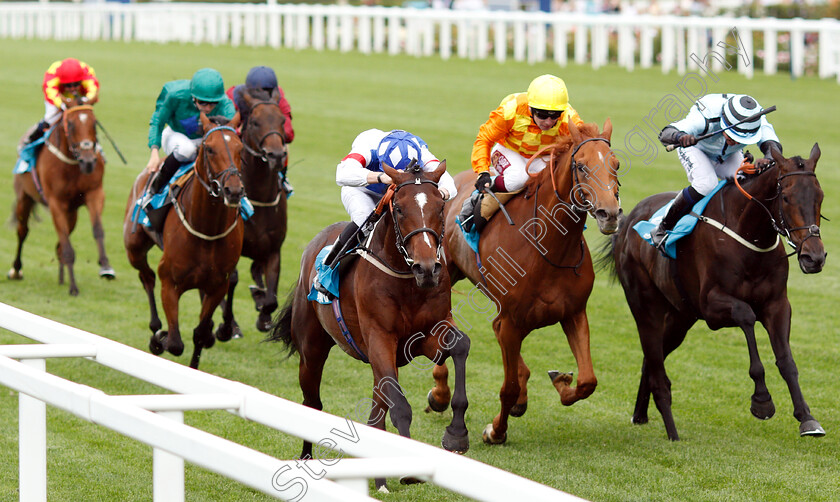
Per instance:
{"type": "Point", "coordinates": [548, 92]}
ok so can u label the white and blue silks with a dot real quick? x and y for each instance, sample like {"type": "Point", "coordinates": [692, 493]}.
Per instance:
{"type": "Point", "coordinates": [328, 277]}
{"type": "Point", "coordinates": [158, 200]}
{"type": "Point", "coordinates": [683, 227]}
{"type": "Point", "coordinates": [28, 156]}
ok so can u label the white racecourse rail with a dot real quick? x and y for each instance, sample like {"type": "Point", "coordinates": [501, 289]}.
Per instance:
{"type": "Point", "coordinates": [157, 420]}
{"type": "Point", "coordinates": [527, 36]}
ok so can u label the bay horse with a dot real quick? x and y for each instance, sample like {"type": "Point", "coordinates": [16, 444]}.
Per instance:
{"type": "Point", "coordinates": [201, 239]}
{"type": "Point", "coordinates": [67, 175]}
{"type": "Point", "coordinates": [726, 280]}
{"type": "Point", "coordinates": [539, 271]}
{"type": "Point", "coordinates": [392, 313]}
{"type": "Point", "coordinates": [263, 171]}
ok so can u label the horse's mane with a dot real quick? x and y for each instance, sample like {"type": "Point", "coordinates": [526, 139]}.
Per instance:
{"type": "Point", "coordinates": [261, 94]}
{"type": "Point", "coordinates": [219, 119]}
{"type": "Point", "coordinates": [562, 145]}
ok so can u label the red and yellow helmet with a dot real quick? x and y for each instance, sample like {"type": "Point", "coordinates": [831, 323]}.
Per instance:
{"type": "Point", "coordinates": [69, 71]}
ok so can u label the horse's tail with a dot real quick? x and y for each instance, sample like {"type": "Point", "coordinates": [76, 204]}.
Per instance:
{"type": "Point", "coordinates": [606, 252]}
{"type": "Point", "coordinates": [281, 330]}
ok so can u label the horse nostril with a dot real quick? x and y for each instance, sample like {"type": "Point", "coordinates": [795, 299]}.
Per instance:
{"type": "Point", "coordinates": [601, 214]}
{"type": "Point", "coordinates": [438, 268]}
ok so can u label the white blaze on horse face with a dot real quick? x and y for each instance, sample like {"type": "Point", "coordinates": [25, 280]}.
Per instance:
{"type": "Point", "coordinates": [421, 200]}
{"type": "Point", "coordinates": [83, 117]}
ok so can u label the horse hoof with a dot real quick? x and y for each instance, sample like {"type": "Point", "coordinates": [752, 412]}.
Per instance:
{"type": "Point", "coordinates": [108, 273]}
{"type": "Point", "coordinates": [155, 346]}
{"type": "Point", "coordinates": [519, 409]}
{"type": "Point", "coordinates": [641, 420]}
{"type": "Point", "coordinates": [559, 378]}
{"type": "Point", "coordinates": [811, 428]}
{"type": "Point", "coordinates": [263, 323]}
{"type": "Point", "coordinates": [175, 349]}
{"type": "Point", "coordinates": [208, 342]}
{"type": "Point", "coordinates": [762, 410]}
{"type": "Point", "coordinates": [15, 275]}
{"type": "Point", "coordinates": [258, 294]}
{"type": "Point", "coordinates": [455, 444]}
{"type": "Point", "coordinates": [434, 405]}
{"type": "Point", "coordinates": [488, 438]}
{"type": "Point", "coordinates": [226, 332]}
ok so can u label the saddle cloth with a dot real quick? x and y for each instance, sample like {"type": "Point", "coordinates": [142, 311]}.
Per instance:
{"type": "Point", "coordinates": [328, 277]}
{"type": "Point", "coordinates": [683, 227]}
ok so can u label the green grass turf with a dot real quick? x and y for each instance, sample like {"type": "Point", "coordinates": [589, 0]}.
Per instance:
{"type": "Point", "coordinates": [589, 449]}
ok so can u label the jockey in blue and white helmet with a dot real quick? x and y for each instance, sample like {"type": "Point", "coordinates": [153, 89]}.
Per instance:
{"type": "Point", "coordinates": [363, 181]}
{"type": "Point", "coordinates": [718, 156]}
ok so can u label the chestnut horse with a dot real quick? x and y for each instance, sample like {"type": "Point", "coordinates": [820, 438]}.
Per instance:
{"type": "Point", "coordinates": [539, 271]}
{"type": "Point", "coordinates": [263, 169]}
{"type": "Point", "coordinates": [396, 305]}
{"type": "Point", "coordinates": [68, 174]}
{"type": "Point", "coordinates": [202, 240]}
{"type": "Point", "coordinates": [726, 280]}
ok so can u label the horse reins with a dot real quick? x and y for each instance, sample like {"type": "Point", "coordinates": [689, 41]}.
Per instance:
{"type": "Point", "coordinates": [75, 149]}
{"type": "Point", "coordinates": [401, 240]}
{"type": "Point", "coordinates": [263, 156]}
{"type": "Point", "coordinates": [785, 229]}
{"type": "Point", "coordinates": [214, 190]}
{"type": "Point", "coordinates": [214, 186]}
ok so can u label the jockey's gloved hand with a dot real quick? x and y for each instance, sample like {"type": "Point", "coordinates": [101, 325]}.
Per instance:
{"type": "Point", "coordinates": [483, 181]}
{"type": "Point", "coordinates": [687, 140]}
{"type": "Point", "coordinates": [764, 163]}
{"type": "Point", "coordinates": [748, 157]}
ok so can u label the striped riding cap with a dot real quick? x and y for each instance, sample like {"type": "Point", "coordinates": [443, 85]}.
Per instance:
{"type": "Point", "coordinates": [735, 110]}
{"type": "Point", "coordinates": [399, 148]}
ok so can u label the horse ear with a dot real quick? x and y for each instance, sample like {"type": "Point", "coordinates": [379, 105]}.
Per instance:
{"type": "Point", "coordinates": [390, 171]}
{"type": "Point", "coordinates": [606, 132]}
{"type": "Point", "coordinates": [777, 156]}
{"type": "Point", "coordinates": [438, 172]}
{"type": "Point", "coordinates": [234, 122]}
{"type": "Point", "coordinates": [574, 131]}
{"type": "Point", "coordinates": [815, 154]}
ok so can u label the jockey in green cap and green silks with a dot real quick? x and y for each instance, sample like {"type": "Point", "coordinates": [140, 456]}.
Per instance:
{"type": "Point", "coordinates": [175, 126]}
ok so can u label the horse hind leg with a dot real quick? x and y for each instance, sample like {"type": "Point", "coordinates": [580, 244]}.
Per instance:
{"type": "Point", "coordinates": [510, 340]}
{"type": "Point", "coordinates": [95, 205]}
{"type": "Point", "coordinates": [761, 403]}
{"type": "Point", "coordinates": [64, 220]}
{"type": "Point", "coordinates": [577, 334]}
{"type": "Point", "coordinates": [268, 304]}
{"type": "Point", "coordinates": [522, 402]}
{"type": "Point", "coordinates": [440, 395]}
{"type": "Point", "coordinates": [23, 209]}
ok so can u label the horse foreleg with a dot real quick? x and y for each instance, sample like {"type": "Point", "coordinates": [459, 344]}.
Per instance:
{"type": "Point", "coordinates": [576, 328]}
{"type": "Point", "coordinates": [229, 328]}
{"type": "Point", "coordinates": [64, 221]}
{"type": "Point", "coordinates": [510, 338]}
{"type": "Point", "coordinates": [23, 209]}
{"type": "Point", "coordinates": [457, 346]}
{"type": "Point", "coordinates": [271, 270]}
{"type": "Point", "coordinates": [777, 323]}
{"type": "Point", "coordinates": [95, 204]}
{"type": "Point", "coordinates": [203, 333]}
{"type": "Point", "coordinates": [169, 296]}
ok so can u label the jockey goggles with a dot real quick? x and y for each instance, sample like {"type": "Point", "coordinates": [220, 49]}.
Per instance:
{"type": "Point", "coordinates": [198, 102]}
{"type": "Point", "coordinates": [546, 114]}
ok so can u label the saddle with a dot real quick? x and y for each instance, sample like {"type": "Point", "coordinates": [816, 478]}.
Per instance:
{"type": "Point", "coordinates": [486, 207]}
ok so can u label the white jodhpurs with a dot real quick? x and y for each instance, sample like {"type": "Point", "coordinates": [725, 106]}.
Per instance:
{"type": "Point", "coordinates": [511, 166]}
{"type": "Point", "coordinates": [703, 172]}
{"type": "Point", "coordinates": [180, 145]}
{"type": "Point", "coordinates": [359, 203]}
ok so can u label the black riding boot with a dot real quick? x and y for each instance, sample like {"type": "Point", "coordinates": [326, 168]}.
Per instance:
{"type": "Point", "coordinates": [38, 132]}
{"type": "Point", "coordinates": [682, 205]}
{"type": "Point", "coordinates": [167, 170]}
{"type": "Point", "coordinates": [341, 244]}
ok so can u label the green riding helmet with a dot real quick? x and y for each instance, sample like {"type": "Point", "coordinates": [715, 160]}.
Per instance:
{"type": "Point", "coordinates": [207, 85]}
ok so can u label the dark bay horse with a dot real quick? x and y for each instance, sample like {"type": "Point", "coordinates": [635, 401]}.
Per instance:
{"type": "Point", "coordinates": [539, 271]}
{"type": "Point", "coordinates": [68, 175]}
{"type": "Point", "coordinates": [202, 240]}
{"type": "Point", "coordinates": [396, 305]}
{"type": "Point", "coordinates": [726, 280]}
{"type": "Point", "coordinates": [263, 168]}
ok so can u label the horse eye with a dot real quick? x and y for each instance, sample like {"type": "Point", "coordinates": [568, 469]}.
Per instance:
{"type": "Point", "coordinates": [785, 198]}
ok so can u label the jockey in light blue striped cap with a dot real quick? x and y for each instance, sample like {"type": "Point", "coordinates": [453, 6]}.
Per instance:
{"type": "Point", "coordinates": [398, 148]}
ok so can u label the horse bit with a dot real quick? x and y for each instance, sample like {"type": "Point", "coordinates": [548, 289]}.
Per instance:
{"type": "Point", "coordinates": [401, 240]}
{"type": "Point", "coordinates": [576, 167]}
{"type": "Point", "coordinates": [77, 148]}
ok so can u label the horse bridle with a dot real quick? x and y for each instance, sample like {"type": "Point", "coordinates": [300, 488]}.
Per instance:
{"type": "Point", "coordinates": [75, 148]}
{"type": "Point", "coordinates": [576, 167]}
{"type": "Point", "coordinates": [785, 229]}
{"type": "Point", "coordinates": [214, 187]}
{"type": "Point", "coordinates": [262, 154]}
{"type": "Point", "coordinates": [401, 240]}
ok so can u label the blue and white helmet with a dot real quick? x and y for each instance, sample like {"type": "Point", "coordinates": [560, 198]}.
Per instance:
{"type": "Point", "coordinates": [735, 110]}
{"type": "Point", "coordinates": [399, 148]}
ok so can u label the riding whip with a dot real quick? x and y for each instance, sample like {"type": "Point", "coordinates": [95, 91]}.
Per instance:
{"type": "Point", "coordinates": [98, 123]}
{"type": "Point", "coordinates": [501, 206]}
{"type": "Point", "coordinates": [765, 111]}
